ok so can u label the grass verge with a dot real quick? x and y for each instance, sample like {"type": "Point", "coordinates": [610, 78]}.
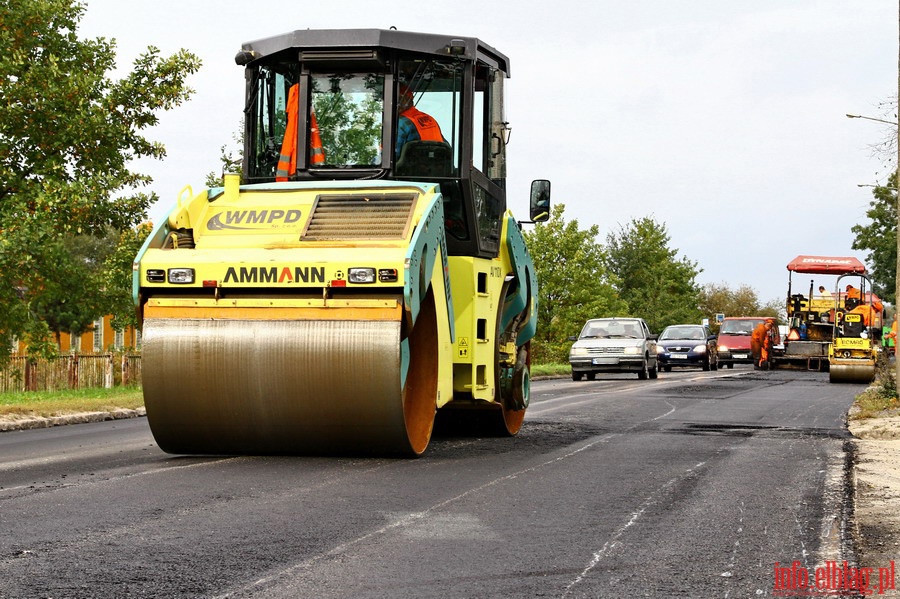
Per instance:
{"type": "Point", "coordinates": [880, 398]}
{"type": "Point", "coordinates": [550, 370]}
{"type": "Point", "coordinates": [70, 401]}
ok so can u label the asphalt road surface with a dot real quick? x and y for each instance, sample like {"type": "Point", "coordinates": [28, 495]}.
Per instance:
{"type": "Point", "coordinates": [698, 484]}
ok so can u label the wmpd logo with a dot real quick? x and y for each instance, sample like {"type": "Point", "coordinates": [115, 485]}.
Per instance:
{"type": "Point", "coordinates": [253, 220]}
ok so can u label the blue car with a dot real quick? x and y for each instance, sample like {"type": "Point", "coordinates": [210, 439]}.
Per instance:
{"type": "Point", "coordinates": [687, 345]}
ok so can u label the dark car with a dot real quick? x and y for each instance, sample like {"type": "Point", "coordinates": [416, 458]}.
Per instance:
{"type": "Point", "coordinates": [687, 345]}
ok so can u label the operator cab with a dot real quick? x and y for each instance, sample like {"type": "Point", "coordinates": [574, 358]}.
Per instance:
{"type": "Point", "coordinates": [326, 105]}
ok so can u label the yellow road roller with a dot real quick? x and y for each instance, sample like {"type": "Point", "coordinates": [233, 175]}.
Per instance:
{"type": "Point", "coordinates": [362, 275]}
{"type": "Point", "coordinates": [856, 342]}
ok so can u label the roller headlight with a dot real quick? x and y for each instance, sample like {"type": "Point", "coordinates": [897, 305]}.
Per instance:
{"type": "Point", "coordinates": [181, 276]}
{"type": "Point", "coordinates": [361, 275]}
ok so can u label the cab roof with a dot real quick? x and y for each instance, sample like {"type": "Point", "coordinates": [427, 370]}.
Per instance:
{"type": "Point", "coordinates": [338, 40]}
{"type": "Point", "coordinates": [826, 265]}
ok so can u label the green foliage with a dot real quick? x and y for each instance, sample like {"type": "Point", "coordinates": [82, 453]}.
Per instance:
{"type": "Point", "coordinates": [574, 284]}
{"type": "Point", "coordinates": [68, 134]}
{"type": "Point", "coordinates": [721, 299]}
{"type": "Point", "coordinates": [879, 236]}
{"type": "Point", "coordinates": [116, 276]}
{"type": "Point", "coordinates": [70, 298]}
{"type": "Point", "coordinates": [230, 159]}
{"type": "Point", "coordinates": [350, 131]}
{"type": "Point", "coordinates": [656, 285]}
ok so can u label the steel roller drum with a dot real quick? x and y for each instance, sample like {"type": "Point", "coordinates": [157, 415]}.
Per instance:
{"type": "Point", "coordinates": [281, 387]}
{"type": "Point", "coordinates": [851, 373]}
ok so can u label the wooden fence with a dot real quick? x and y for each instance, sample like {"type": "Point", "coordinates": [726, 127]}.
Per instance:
{"type": "Point", "coordinates": [71, 371]}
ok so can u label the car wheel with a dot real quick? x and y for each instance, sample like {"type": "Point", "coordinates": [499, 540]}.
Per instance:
{"type": "Point", "coordinates": [730, 364]}
{"type": "Point", "coordinates": [654, 371]}
{"type": "Point", "coordinates": [706, 363]}
{"type": "Point", "coordinates": [591, 376]}
{"type": "Point", "coordinates": [644, 374]}
{"type": "Point", "coordinates": [576, 376]}
{"type": "Point", "coordinates": [667, 368]}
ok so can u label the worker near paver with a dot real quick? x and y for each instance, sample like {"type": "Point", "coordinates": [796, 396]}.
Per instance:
{"type": "Point", "coordinates": [867, 312]}
{"type": "Point", "coordinates": [761, 342]}
{"type": "Point", "coordinates": [892, 335]}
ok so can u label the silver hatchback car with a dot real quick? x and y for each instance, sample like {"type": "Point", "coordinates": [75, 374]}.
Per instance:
{"type": "Point", "coordinates": [614, 345]}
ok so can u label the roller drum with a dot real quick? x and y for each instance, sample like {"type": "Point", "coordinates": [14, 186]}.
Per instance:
{"type": "Point", "coordinates": [282, 387]}
{"type": "Point", "coordinates": [851, 373]}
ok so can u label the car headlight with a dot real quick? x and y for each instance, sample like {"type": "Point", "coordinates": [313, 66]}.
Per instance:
{"type": "Point", "coordinates": [578, 351]}
{"type": "Point", "coordinates": [632, 350]}
{"type": "Point", "coordinates": [700, 349]}
{"type": "Point", "coordinates": [723, 348]}
{"type": "Point", "coordinates": [660, 349]}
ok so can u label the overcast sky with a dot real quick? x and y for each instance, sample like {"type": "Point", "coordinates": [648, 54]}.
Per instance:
{"type": "Point", "coordinates": [722, 119]}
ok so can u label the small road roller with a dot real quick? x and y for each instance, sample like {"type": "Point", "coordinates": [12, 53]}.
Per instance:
{"type": "Point", "coordinates": [856, 344]}
{"type": "Point", "coordinates": [362, 276]}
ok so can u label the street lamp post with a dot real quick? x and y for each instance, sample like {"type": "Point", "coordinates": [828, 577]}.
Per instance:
{"type": "Point", "coordinates": [897, 206]}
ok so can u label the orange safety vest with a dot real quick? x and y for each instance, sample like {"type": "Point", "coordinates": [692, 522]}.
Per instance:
{"type": "Point", "coordinates": [867, 311]}
{"type": "Point", "coordinates": [287, 161]}
{"type": "Point", "coordinates": [428, 128]}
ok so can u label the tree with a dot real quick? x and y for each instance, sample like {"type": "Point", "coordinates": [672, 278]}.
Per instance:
{"type": "Point", "coordinates": [879, 237]}
{"type": "Point", "coordinates": [116, 277]}
{"type": "Point", "coordinates": [350, 126]}
{"type": "Point", "coordinates": [230, 159]}
{"type": "Point", "coordinates": [68, 134]}
{"type": "Point", "coordinates": [573, 284]}
{"type": "Point", "coordinates": [71, 299]}
{"type": "Point", "coordinates": [719, 298]}
{"type": "Point", "coordinates": [657, 286]}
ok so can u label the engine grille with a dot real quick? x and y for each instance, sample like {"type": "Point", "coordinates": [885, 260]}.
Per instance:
{"type": "Point", "coordinates": [606, 350]}
{"type": "Point", "coordinates": [377, 216]}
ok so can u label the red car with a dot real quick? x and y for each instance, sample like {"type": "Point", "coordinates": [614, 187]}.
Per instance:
{"type": "Point", "coordinates": [734, 339]}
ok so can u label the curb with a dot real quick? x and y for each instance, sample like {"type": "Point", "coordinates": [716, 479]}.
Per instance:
{"type": "Point", "coordinates": [28, 423]}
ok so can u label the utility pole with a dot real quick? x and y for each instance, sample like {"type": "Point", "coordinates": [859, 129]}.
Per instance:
{"type": "Point", "coordinates": [897, 200]}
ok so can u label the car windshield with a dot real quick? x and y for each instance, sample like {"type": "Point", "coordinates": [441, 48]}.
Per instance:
{"type": "Point", "coordinates": [738, 327]}
{"type": "Point", "coordinates": [682, 333]}
{"type": "Point", "coordinates": [612, 329]}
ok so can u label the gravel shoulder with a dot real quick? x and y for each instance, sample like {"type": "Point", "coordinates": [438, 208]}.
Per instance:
{"type": "Point", "coordinates": [877, 489]}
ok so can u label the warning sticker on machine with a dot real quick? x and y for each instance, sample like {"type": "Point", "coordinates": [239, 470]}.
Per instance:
{"type": "Point", "coordinates": [462, 347]}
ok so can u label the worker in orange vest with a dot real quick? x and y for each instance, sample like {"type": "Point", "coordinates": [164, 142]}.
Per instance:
{"type": "Point", "coordinates": [867, 312]}
{"type": "Point", "coordinates": [287, 161]}
{"type": "Point", "coordinates": [761, 341]}
{"type": "Point", "coordinates": [892, 335]}
{"type": "Point", "coordinates": [413, 124]}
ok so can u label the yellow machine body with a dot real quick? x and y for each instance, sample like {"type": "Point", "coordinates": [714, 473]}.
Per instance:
{"type": "Point", "coordinates": [273, 347]}
{"type": "Point", "coordinates": [851, 359]}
